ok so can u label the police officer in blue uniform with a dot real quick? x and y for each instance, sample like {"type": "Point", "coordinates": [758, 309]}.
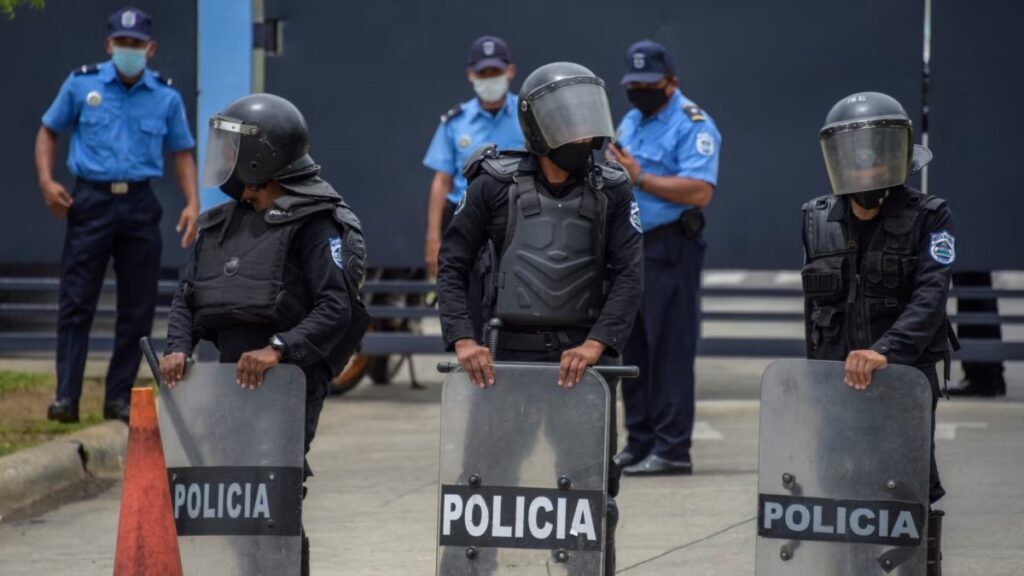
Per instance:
{"type": "Point", "coordinates": [669, 146]}
{"type": "Point", "coordinates": [122, 117]}
{"type": "Point", "coordinates": [490, 118]}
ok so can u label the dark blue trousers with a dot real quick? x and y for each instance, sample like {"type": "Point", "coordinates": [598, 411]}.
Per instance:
{"type": "Point", "coordinates": [660, 403]}
{"type": "Point", "coordinates": [102, 226]}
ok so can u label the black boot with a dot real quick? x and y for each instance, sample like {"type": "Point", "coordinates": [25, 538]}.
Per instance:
{"type": "Point", "coordinates": [611, 521]}
{"type": "Point", "coordinates": [63, 410]}
{"type": "Point", "coordinates": [117, 410]}
{"type": "Point", "coordinates": [935, 542]}
{"type": "Point", "coordinates": [982, 387]}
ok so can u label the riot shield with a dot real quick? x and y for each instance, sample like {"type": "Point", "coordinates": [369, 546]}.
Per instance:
{"type": "Point", "coordinates": [523, 474]}
{"type": "Point", "coordinates": [234, 461]}
{"type": "Point", "coordinates": [842, 473]}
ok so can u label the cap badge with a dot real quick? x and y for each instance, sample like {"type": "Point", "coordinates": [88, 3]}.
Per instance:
{"type": "Point", "coordinates": [488, 48]}
{"type": "Point", "coordinates": [639, 61]}
{"type": "Point", "coordinates": [128, 19]}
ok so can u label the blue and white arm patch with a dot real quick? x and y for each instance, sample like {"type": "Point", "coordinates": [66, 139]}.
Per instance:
{"type": "Point", "coordinates": [943, 248]}
{"type": "Point", "coordinates": [462, 203]}
{"type": "Point", "coordinates": [634, 216]}
{"type": "Point", "coordinates": [336, 252]}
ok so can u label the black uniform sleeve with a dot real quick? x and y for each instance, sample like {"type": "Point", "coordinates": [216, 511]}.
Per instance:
{"type": "Point", "coordinates": [905, 341]}
{"type": "Point", "coordinates": [323, 328]}
{"type": "Point", "coordinates": [625, 258]}
{"type": "Point", "coordinates": [180, 336]}
{"type": "Point", "coordinates": [460, 245]}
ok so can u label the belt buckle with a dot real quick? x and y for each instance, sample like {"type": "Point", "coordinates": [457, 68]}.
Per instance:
{"type": "Point", "coordinates": [118, 187]}
{"type": "Point", "coordinates": [549, 342]}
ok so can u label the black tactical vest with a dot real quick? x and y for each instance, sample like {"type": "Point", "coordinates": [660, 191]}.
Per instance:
{"type": "Point", "coordinates": [551, 270]}
{"type": "Point", "coordinates": [849, 307]}
{"type": "Point", "coordinates": [245, 277]}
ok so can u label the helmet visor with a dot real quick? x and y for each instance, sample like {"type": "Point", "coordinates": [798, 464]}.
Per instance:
{"type": "Point", "coordinates": [865, 159]}
{"type": "Point", "coordinates": [221, 150]}
{"type": "Point", "coordinates": [572, 112]}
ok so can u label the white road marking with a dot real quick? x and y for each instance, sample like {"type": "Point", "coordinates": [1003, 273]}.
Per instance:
{"type": "Point", "coordinates": [947, 430]}
{"type": "Point", "coordinates": [724, 278]}
{"type": "Point", "coordinates": [704, 431]}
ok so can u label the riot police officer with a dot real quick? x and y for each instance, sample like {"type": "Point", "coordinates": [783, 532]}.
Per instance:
{"type": "Point", "coordinates": [122, 116]}
{"type": "Point", "coordinates": [878, 257]}
{"type": "Point", "coordinates": [275, 275]}
{"type": "Point", "coordinates": [569, 247]}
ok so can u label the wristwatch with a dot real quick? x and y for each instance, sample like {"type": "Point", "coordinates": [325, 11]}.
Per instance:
{"type": "Point", "coordinates": [640, 180]}
{"type": "Point", "coordinates": [277, 344]}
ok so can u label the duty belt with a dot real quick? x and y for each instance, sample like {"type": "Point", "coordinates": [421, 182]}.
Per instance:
{"type": "Point", "coordinates": [538, 341]}
{"type": "Point", "coordinates": [119, 187]}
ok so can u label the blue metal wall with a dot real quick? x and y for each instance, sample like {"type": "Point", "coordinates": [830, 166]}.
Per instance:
{"type": "Point", "coordinates": [373, 78]}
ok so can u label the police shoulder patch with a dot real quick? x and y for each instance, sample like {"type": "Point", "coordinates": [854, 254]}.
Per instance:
{"type": "Point", "coordinates": [336, 252]}
{"type": "Point", "coordinates": [455, 111]}
{"type": "Point", "coordinates": [694, 112]}
{"type": "Point", "coordinates": [634, 216]}
{"type": "Point", "coordinates": [705, 144]}
{"type": "Point", "coordinates": [943, 248]}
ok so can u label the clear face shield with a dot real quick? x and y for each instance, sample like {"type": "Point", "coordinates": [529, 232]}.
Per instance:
{"type": "Point", "coordinates": [222, 149]}
{"type": "Point", "coordinates": [866, 156]}
{"type": "Point", "coordinates": [571, 110]}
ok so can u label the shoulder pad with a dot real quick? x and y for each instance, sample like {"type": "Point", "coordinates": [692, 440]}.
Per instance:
{"type": "Point", "coordinates": [933, 203]}
{"type": "Point", "coordinates": [85, 70]}
{"type": "Point", "coordinates": [161, 79]}
{"type": "Point", "coordinates": [346, 217]}
{"type": "Point", "coordinates": [455, 111]}
{"type": "Point", "coordinates": [504, 166]}
{"type": "Point", "coordinates": [215, 215]}
{"type": "Point", "coordinates": [472, 165]}
{"type": "Point", "coordinates": [613, 172]}
{"type": "Point", "coordinates": [694, 112]}
{"type": "Point", "coordinates": [821, 203]}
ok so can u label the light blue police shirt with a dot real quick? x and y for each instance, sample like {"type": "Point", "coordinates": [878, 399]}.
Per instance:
{"type": "Point", "coordinates": [680, 140]}
{"type": "Point", "coordinates": [464, 129]}
{"type": "Point", "coordinates": [118, 133]}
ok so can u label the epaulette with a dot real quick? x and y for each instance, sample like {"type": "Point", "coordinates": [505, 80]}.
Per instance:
{"type": "Point", "coordinates": [214, 215]}
{"type": "Point", "coordinates": [455, 111]}
{"type": "Point", "coordinates": [85, 70]}
{"type": "Point", "coordinates": [933, 203]}
{"type": "Point", "coordinates": [613, 172]}
{"type": "Point", "coordinates": [694, 112]}
{"type": "Point", "coordinates": [505, 165]}
{"type": "Point", "coordinates": [471, 166]}
{"type": "Point", "coordinates": [161, 79]}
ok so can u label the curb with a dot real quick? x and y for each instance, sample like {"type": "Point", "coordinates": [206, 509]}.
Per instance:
{"type": "Point", "coordinates": [30, 475]}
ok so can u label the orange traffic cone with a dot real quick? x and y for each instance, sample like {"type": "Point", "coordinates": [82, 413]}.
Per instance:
{"type": "Point", "coordinates": [147, 542]}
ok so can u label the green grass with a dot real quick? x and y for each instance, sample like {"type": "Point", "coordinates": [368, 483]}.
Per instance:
{"type": "Point", "coordinates": [16, 381]}
{"type": "Point", "coordinates": [40, 431]}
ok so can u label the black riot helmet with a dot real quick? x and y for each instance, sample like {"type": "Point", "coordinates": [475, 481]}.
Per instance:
{"type": "Point", "coordinates": [560, 103]}
{"type": "Point", "coordinates": [867, 141]}
{"type": "Point", "coordinates": [257, 139]}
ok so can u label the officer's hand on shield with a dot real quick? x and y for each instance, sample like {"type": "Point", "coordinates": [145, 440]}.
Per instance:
{"type": "Point", "coordinates": [475, 360]}
{"type": "Point", "coordinates": [575, 362]}
{"type": "Point", "coordinates": [859, 366]}
{"type": "Point", "coordinates": [172, 368]}
{"type": "Point", "coordinates": [253, 364]}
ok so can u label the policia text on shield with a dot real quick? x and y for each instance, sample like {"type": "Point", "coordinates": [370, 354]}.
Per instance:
{"type": "Point", "coordinates": [274, 278]}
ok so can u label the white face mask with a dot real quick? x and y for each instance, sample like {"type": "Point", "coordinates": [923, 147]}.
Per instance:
{"type": "Point", "coordinates": [491, 89]}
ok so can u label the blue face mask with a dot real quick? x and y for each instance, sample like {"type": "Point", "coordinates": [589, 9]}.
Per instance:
{"type": "Point", "coordinates": [129, 61]}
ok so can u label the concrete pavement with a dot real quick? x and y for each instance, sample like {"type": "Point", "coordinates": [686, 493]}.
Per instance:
{"type": "Point", "coordinates": [372, 504]}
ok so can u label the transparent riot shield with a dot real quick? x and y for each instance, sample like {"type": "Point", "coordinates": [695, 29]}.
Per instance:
{"type": "Point", "coordinates": [235, 462]}
{"type": "Point", "coordinates": [842, 473]}
{"type": "Point", "coordinates": [523, 474]}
